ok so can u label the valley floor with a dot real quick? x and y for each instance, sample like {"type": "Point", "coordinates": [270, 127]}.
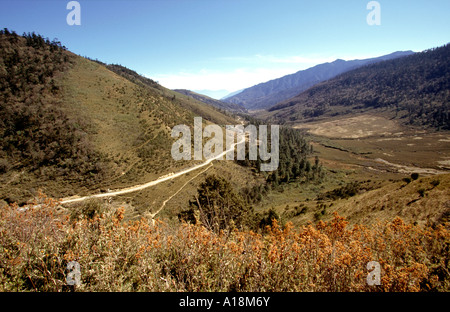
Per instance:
{"type": "Point", "coordinates": [377, 154]}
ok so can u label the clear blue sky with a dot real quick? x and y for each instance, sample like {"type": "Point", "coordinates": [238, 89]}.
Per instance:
{"type": "Point", "coordinates": [230, 44]}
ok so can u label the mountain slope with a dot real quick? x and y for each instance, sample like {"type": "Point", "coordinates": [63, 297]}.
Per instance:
{"type": "Point", "coordinates": [69, 125]}
{"type": "Point", "coordinates": [265, 95]}
{"type": "Point", "coordinates": [415, 89]}
{"type": "Point", "coordinates": [210, 101]}
{"type": "Point", "coordinates": [231, 94]}
{"type": "Point", "coordinates": [197, 106]}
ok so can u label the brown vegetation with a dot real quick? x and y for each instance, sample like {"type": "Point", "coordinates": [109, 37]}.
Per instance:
{"type": "Point", "coordinates": [37, 244]}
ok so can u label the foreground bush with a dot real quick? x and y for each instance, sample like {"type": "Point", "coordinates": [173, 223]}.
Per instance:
{"type": "Point", "coordinates": [37, 244]}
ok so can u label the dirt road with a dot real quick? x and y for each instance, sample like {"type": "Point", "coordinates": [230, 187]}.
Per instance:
{"type": "Point", "coordinates": [136, 188]}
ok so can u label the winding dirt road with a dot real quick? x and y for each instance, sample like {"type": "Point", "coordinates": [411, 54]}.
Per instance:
{"type": "Point", "coordinates": [140, 187]}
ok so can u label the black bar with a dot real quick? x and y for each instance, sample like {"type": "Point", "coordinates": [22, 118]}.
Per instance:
{"type": "Point", "coordinates": [167, 302]}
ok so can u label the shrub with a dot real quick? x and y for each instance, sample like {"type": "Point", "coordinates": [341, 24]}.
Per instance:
{"type": "Point", "coordinates": [218, 206]}
{"type": "Point", "coordinates": [4, 165]}
{"type": "Point", "coordinates": [268, 218]}
{"type": "Point", "coordinates": [435, 182]}
{"type": "Point", "coordinates": [407, 180]}
{"type": "Point", "coordinates": [349, 190]}
{"type": "Point", "coordinates": [421, 192]}
{"type": "Point", "coordinates": [88, 209]}
{"type": "Point", "coordinates": [117, 255]}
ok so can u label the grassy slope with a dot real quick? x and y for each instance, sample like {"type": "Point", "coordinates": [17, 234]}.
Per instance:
{"type": "Point", "coordinates": [420, 201]}
{"type": "Point", "coordinates": [377, 200]}
{"type": "Point", "coordinates": [129, 124]}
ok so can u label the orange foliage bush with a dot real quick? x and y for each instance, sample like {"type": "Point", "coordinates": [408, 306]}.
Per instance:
{"type": "Point", "coordinates": [37, 244]}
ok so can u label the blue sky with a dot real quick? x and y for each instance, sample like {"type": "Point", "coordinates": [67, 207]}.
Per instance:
{"type": "Point", "coordinates": [230, 44]}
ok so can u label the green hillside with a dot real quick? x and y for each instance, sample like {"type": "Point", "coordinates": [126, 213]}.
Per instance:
{"type": "Point", "coordinates": [69, 124]}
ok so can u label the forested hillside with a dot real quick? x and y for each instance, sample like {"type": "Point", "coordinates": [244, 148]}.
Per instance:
{"type": "Point", "coordinates": [415, 89]}
{"type": "Point", "coordinates": [35, 133]}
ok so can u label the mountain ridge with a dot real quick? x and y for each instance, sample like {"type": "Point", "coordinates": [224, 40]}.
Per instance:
{"type": "Point", "coordinates": [413, 88]}
{"type": "Point", "coordinates": [231, 94]}
{"type": "Point", "coordinates": [268, 94]}
{"type": "Point", "coordinates": [210, 101]}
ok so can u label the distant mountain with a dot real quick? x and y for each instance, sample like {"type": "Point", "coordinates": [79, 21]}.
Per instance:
{"type": "Point", "coordinates": [267, 94]}
{"type": "Point", "coordinates": [231, 94]}
{"type": "Point", "coordinates": [215, 94]}
{"type": "Point", "coordinates": [414, 89]}
{"type": "Point", "coordinates": [210, 101]}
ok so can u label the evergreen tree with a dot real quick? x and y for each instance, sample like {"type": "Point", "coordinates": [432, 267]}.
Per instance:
{"type": "Point", "coordinates": [218, 207]}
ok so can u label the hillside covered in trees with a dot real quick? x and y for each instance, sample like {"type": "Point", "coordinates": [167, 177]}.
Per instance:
{"type": "Point", "coordinates": [36, 134]}
{"type": "Point", "coordinates": [414, 89]}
